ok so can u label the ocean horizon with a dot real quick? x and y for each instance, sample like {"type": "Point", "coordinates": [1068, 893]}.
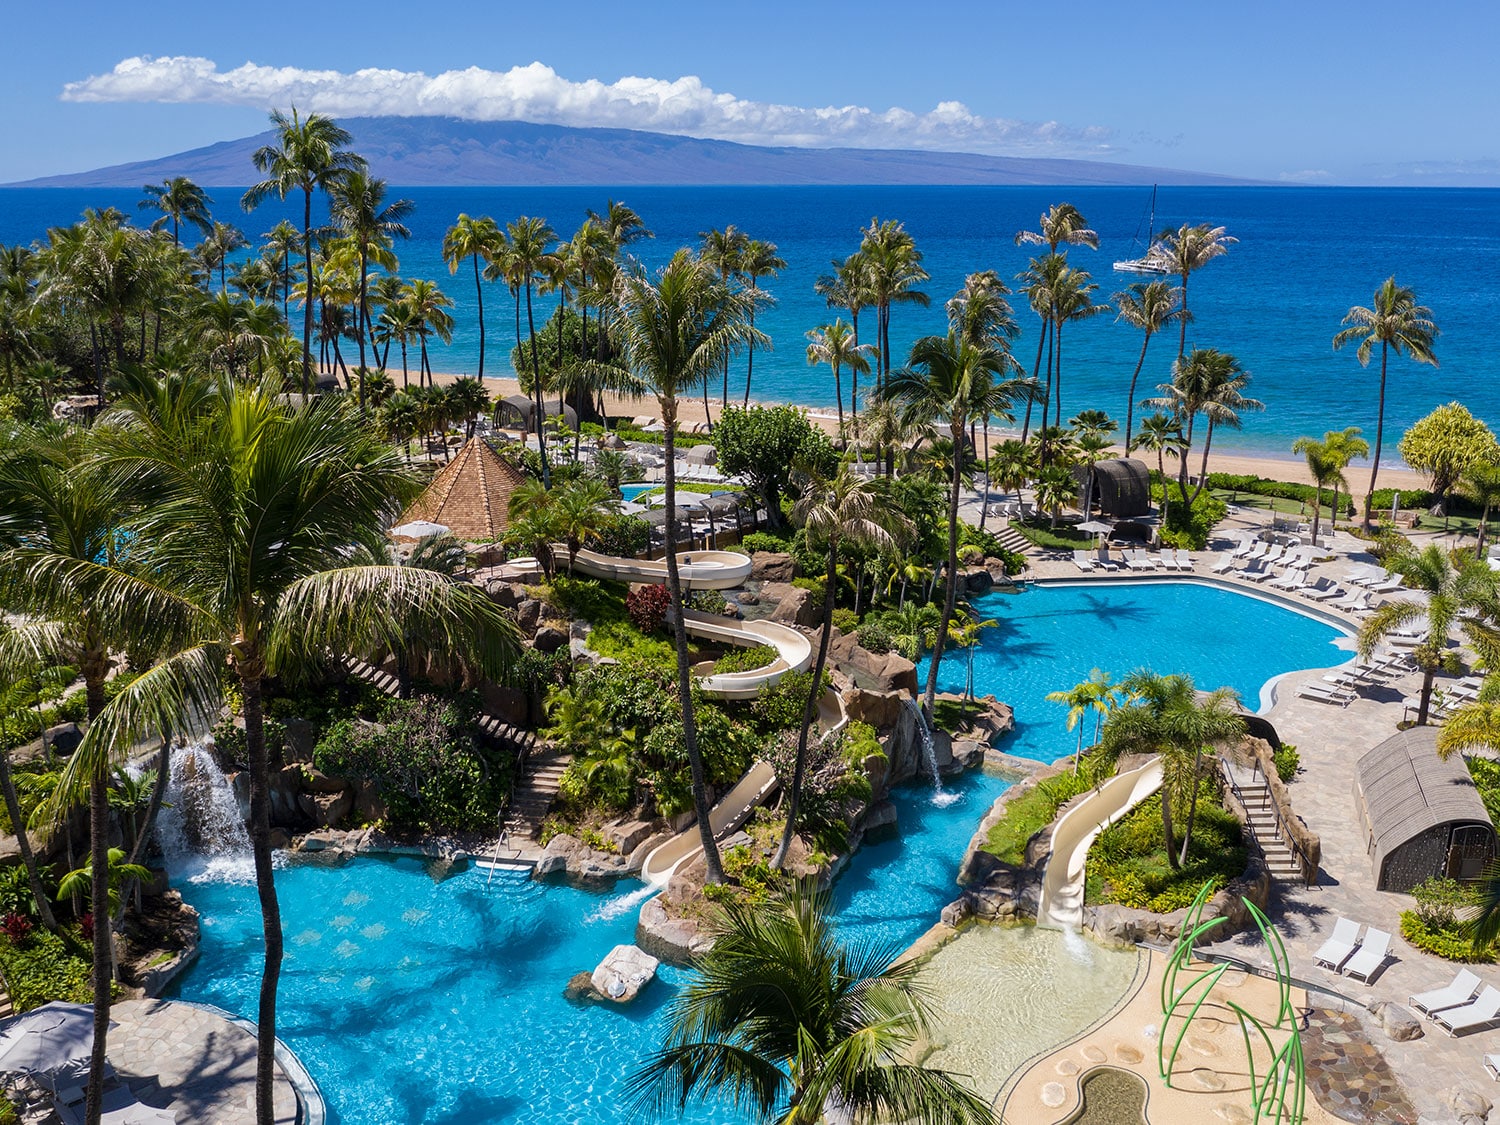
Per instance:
{"type": "Point", "coordinates": [1304, 257]}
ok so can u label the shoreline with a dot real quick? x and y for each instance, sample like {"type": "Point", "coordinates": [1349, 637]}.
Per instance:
{"type": "Point", "coordinates": [1270, 466]}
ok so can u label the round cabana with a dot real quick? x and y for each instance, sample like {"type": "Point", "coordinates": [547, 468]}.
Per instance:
{"type": "Point", "coordinates": [518, 412]}
{"type": "Point", "coordinates": [1122, 488]}
{"type": "Point", "coordinates": [1422, 815]}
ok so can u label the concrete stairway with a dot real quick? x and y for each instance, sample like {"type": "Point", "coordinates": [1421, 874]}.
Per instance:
{"type": "Point", "coordinates": [1013, 540]}
{"type": "Point", "coordinates": [1280, 860]}
{"type": "Point", "coordinates": [533, 795]}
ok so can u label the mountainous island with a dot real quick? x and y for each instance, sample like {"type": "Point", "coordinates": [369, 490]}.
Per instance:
{"type": "Point", "coordinates": [447, 152]}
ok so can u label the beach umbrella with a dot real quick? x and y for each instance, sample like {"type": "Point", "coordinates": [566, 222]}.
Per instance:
{"type": "Point", "coordinates": [47, 1038]}
{"type": "Point", "coordinates": [418, 529]}
{"type": "Point", "coordinates": [1096, 527]}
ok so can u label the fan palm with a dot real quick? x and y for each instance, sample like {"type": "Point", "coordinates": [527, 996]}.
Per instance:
{"type": "Point", "coordinates": [676, 331]}
{"type": "Point", "coordinates": [467, 399]}
{"type": "Point", "coordinates": [473, 238]}
{"type": "Point", "coordinates": [844, 509]}
{"type": "Point", "coordinates": [1466, 595]}
{"type": "Point", "coordinates": [270, 592]}
{"type": "Point", "coordinates": [309, 154]}
{"type": "Point", "coordinates": [1398, 324]}
{"type": "Point", "coordinates": [949, 381]}
{"type": "Point", "coordinates": [793, 1025]}
{"type": "Point", "coordinates": [1189, 248]}
{"type": "Point", "coordinates": [362, 215]}
{"type": "Point", "coordinates": [1148, 306]}
{"type": "Point", "coordinates": [180, 201]}
{"type": "Point", "coordinates": [835, 345]}
{"type": "Point", "coordinates": [759, 260]}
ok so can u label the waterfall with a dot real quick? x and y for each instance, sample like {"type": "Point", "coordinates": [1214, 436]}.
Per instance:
{"type": "Point", "coordinates": [929, 755]}
{"type": "Point", "coordinates": [621, 903]}
{"type": "Point", "coordinates": [200, 829]}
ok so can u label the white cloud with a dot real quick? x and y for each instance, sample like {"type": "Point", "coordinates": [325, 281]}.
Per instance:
{"type": "Point", "coordinates": [537, 93]}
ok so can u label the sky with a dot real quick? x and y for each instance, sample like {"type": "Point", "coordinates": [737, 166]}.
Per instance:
{"type": "Point", "coordinates": [1296, 91]}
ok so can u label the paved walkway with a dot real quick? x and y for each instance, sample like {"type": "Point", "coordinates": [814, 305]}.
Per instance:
{"type": "Point", "coordinates": [203, 1064]}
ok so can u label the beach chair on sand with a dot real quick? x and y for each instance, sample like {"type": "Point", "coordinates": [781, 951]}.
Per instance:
{"type": "Point", "coordinates": [1371, 955]}
{"type": "Point", "coordinates": [1340, 945]}
{"type": "Point", "coordinates": [1471, 1016]}
{"type": "Point", "coordinates": [1082, 561]}
{"type": "Point", "coordinates": [1460, 990]}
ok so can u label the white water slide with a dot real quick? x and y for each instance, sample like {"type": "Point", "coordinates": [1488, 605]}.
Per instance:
{"type": "Point", "coordinates": [731, 812]}
{"type": "Point", "coordinates": [697, 570]}
{"type": "Point", "coordinates": [1061, 905]}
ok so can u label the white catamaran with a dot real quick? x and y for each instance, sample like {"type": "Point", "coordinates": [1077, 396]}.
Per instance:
{"type": "Point", "coordinates": [1155, 260]}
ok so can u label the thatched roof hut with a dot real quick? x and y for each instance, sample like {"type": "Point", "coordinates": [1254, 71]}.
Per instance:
{"type": "Point", "coordinates": [470, 495]}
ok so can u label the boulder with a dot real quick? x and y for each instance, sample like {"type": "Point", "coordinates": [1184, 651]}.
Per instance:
{"type": "Point", "coordinates": [555, 857]}
{"type": "Point", "coordinates": [1401, 1024]}
{"type": "Point", "coordinates": [301, 737]}
{"type": "Point", "coordinates": [748, 598]}
{"type": "Point", "coordinates": [63, 738]}
{"type": "Point", "coordinates": [880, 709]}
{"type": "Point", "coordinates": [326, 809]}
{"type": "Point", "coordinates": [1466, 1102]}
{"type": "Point", "coordinates": [797, 607]}
{"type": "Point", "coordinates": [880, 822]}
{"type": "Point", "coordinates": [503, 593]}
{"type": "Point", "coordinates": [316, 781]}
{"type": "Point", "coordinates": [625, 835]}
{"type": "Point", "coordinates": [549, 639]}
{"type": "Point", "coordinates": [625, 970]}
{"type": "Point", "coordinates": [528, 613]}
{"type": "Point", "coordinates": [674, 940]}
{"type": "Point", "coordinates": [977, 580]}
{"type": "Point", "coordinates": [772, 566]}
{"type": "Point", "coordinates": [581, 987]}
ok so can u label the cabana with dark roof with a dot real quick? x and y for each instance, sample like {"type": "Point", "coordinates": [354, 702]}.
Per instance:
{"type": "Point", "coordinates": [1121, 488]}
{"type": "Point", "coordinates": [1422, 815]}
{"type": "Point", "coordinates": [515, 412]}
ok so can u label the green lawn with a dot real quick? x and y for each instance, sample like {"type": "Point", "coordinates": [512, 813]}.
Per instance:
{"type": "Point", "coordinates": [1030, 813]}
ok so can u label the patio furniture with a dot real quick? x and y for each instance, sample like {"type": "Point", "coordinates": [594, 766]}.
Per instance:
{"type": "Point", "coordinates": [1371, 955]}
{"type": "Point", "coordinates": [1460, 990]}
{"type": "Point", "coordinates": [1340, 945]}
{"type": "Point", "coordinates": [1224, 564]}
{"type": "Point", "coordinates": [1082, 561]}
{"type": "Point", "coordinates": [1326, 693]}
{"type": "Point", "coordinates": [1324, 589]}
{"type": "Point", "coordinates": [1184, 559]}
{"type": "Point", "coordinates": [1104, 561]}
{"type": "Point", "coordinates": [1469, 1017]}
{"type": "Point", "coordinates": [1291, 580]}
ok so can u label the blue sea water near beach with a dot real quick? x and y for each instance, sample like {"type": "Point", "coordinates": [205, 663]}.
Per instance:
{"type": "Point", "coordinates": [1305, 256]}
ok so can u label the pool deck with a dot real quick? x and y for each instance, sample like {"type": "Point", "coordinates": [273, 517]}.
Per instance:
{"type": "Point", "coordinates": [203, 1063]}
{"type": "Point", "coordinates": [1433, 1070]}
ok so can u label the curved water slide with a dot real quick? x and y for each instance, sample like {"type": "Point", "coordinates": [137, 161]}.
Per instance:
{"type": "Point", "coordinates": [794, 652]}
{"type": "Point", "coordinates": [697, 570]}
{"type": "Point", "coordinates": [1061, 905]}
{"type": "Point", "coordinates": [732, 811]}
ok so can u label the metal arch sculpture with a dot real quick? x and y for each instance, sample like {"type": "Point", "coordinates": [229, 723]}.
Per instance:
{"type": "Point", "coordinates": [1280, 1097]}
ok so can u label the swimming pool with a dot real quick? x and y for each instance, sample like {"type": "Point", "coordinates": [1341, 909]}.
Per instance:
{"type": "Point", "coordinates": [1049, 637]}
{"type": "Point", "coordinates": [631, 491]}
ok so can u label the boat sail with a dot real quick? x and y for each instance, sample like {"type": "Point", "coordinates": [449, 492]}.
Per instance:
{"type": "Point", "coordinates": [1155, 260]}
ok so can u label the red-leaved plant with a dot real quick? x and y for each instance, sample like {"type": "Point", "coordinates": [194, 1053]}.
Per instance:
{"type": "Point", "coordinates": [647, 606]}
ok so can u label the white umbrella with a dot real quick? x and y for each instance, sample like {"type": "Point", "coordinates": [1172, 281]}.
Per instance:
{"type": "Point", "coordinates": [418, 529]}
{"type": "Point", "coordinates": [47, 1038]}
{"type": "Point", "coordinates": [1096, 527]}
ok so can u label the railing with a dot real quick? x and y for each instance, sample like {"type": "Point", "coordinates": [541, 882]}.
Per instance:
{"type": "Point", "coordinates": [1283, 832]}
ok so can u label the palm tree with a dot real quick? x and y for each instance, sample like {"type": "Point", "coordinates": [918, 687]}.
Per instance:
{"type": "Point", "coordinates": [834, 344]}
{"type": "Point", "coordinates": [1188, 249]}
{"type": "Point", "coordinates": [1095, 695]}
{"type": "Point", "coordinates": [1465, 595]}
{"type": "Point", "coordinates": [360, 212]}
{"type": "Point", "coordinates": [891, 267]}
{"type": "Point", "coordinates": [949, 380]}
{"type": "Point", "coordinates": [581, 510]}
{"type": "Point", "coordinates": [473, 238]}
{"type": "Point", "coordinates": [525, 259]}
{"type": "Point", "coordinates": [1038, 282]}
{"type": "Point", "coordinates": [282, 241]}
{"type": "Point", "coordinates": [273, 593]}
{"type": "Point", "coordinates": [309, 154]}
{"type": "Point", "coordinates": [1398, 324]}
{"type": "Point", "coordinates": [847, 288]}
{"type": "Point", "coordinates": [180, 201]}
{"type": "Point", "coordinates": [723, 249]}
{"type": "Point", "coordinates": [1481, 482]}
{"type": "Point", "coordinates": [1207, 382]}
{"type": "Point", "coordinates": [1164, 715]}
{"type": "Point", "coordinates": [759, 260]}
{"type": "Point", "coordinates": [218, 244]}
{"type": "Point", "coordinates": [25, 681]}
{"type": "Point", "coordinates": [676, 331]}
{"type": "Point", "coordinates": [792, 1024]}
{"type": "Point", "coordinates": [1162, 434]}
{"type": "Point", "coordinates": [1149, 306]}
{"type": "Point", "coordinates": [1324, 470]}
{"type": "Point", "coordinates": [1062, 222]}
{"type": "Point", "coordinates": [468, 399]}
{"type": "Point", "coordinates": [621, 224]}
{"type": "Point", "coordinates": [1072, 300]}
{"type": "Point", "coordinates": [428, 306]}
{"type": "Point", "coordinates": [1056, 487]}
{"type": "Point", "coordinates": [844, 509]}
{"type": "Point", "coordinates": [1342, 447]}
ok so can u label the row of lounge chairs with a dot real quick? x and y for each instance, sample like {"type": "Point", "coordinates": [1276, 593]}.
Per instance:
{"type": "Point", "coordinates": [1168, 558]}
{"type": "Point", "coordinates": [1456, 1009]}
{"type": "Point", "coordinates": [1347, 953]}
{"type": "Point", "coordinates": [1342, 685]}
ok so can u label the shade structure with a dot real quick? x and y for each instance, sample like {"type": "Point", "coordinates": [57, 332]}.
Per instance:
{"type": "Point", "coordinates": [519, 412]}
{"type": "Point", "coordinates": [1122, 487]}
{"type": "Point", "coordinates": [418, 529]}
{"type": "Point", "coordinates": [470, 496]}
{"type": "Point", "coordinates": [47, 1038]}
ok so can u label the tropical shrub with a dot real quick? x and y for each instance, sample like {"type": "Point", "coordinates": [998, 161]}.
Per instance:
{"type": "Point", "coordinates": [1287, 761]}
{"type": "Point", "coordinates": [765, 541]}
{"type": "Point", "coordinates": [835, 786]}
{"type": "Point", "coordinates": [814, 586]}
{"type": "Point", "coordinates": [706, 601]}
{"type": "Point", "coordinates": [845, 620]}
{"type": "Point", "coordinates": [1190, 527]}
{"type": "Point", "coordinates": [1434, 923]}
{"type": "Point", "coordinates": [779, 706]}
{"type": "Point", "coordinates": [1127, 863]}
{"type": "Point", "coordinates": [647, 607]}
{"type": "Point", "coordinates": [1278, 489]}
{"type": "Point", "coordinates": [623, 536]}
{"type": "Point", "coordinates": [42, 968]}
{"type": "Point", "coordinates": [746, 659]}
{"type": "Point", "coordinates": [875, 637]}
{"type": "Point", "coordinates": [587, 598]}
{"type": "Point", "coordinates": [1486, 775]}
{"type": "Point", "coordinates": [1028, 813]}
{"type": "Point", "coordinates": [1450, 942]}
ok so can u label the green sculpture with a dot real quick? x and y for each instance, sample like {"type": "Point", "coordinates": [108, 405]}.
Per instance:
{"type": "Point", "coordinates": [1280, 1096]}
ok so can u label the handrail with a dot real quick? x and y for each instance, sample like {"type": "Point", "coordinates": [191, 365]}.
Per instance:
{"type": "Point", "coordinates": [1283, 833]}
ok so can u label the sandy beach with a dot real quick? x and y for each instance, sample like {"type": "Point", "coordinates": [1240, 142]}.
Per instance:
{"type": "Point", "coordinates": [1273, 468]}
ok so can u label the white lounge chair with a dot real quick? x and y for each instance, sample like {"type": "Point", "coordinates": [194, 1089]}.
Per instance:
{"type": "Point", "coordinates": [1371, 955]}
{"type": "Point", "coordinates": [1323, 590]}
{"type": "Point", "coordinates": [1184, 559]}
{"type": "Point", "coordinates": [1460, 990]}
{"type": "Point", "coordinates": [1340, 946]}
{"type": "Point", "coordinates": [1139, 560]}
{"type": "Point", "coordinates": [1262, 575]}
{"type": "Point", "coordinates": [1104, 561]}
{"type": "Point", "coordinates": [1326, 693]}
{"type": "Point", "coordinates": [1224, 564]}
{"type": "Point", "coordinates": [1475, 1014]}
{"type": "Point", "coordinates": [1082, 561]}
{"type": "Point", "coordinates": [1354, 601]}
{"type": "Point", "coordinates": [1165, 559]}
{"type": "Point", "coordinates": [1244, 547]}
{"type": "Point", "coordinates": [1290, 581]}
{"type": "Point", "coordinates": [1492, 1064]}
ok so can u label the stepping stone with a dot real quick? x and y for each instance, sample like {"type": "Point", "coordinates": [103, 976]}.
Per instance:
{"type": "Point", "coordinates": [1067, 1068]}
{"type": "Point", "coordinates": [1054, 1094]}
{"type": "Point", "coordinates": [1233, 1113]}
{"type": "Point", "coordinates": [1207, 1079]}
{"type": "Point", "coordinates": [1200, 1046]}
{"type": "Point", "coordinates": [1094, 1054]}
{"type": "Point", "coordinates": [1233, 978]}
{"type": "Point", "coordinates": [1127, 1054]}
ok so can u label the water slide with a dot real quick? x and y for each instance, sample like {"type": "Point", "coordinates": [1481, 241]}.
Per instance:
{"type": "Point", "coordinates": [794, 653]}
{"type": "Point", "coordinates": [1061, 905]}
{"type": "Point", "coordinates": [697, 570]}
{"type": "Point", "coordinates": [732, 811]}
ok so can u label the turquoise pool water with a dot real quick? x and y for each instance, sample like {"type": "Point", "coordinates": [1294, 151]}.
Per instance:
{"type": "Point", "coordinates": [411, 1000]}
{"type": "Point", "coordinates": [1049, 638]}
{"type": "Point", "coordinates": [631, 491]}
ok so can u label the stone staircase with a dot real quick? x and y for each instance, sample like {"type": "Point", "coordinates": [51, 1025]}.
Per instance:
{"type": "Point", "coordinates": [1281, 861]}
{"type": "Point", "coordinates": [533, 795]}
{"type": "Point", "coordinates": [1013, 540]}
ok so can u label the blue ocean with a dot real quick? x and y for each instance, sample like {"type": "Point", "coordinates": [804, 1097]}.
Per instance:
{"type": "Point", "coordinates": [1305, 255]}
